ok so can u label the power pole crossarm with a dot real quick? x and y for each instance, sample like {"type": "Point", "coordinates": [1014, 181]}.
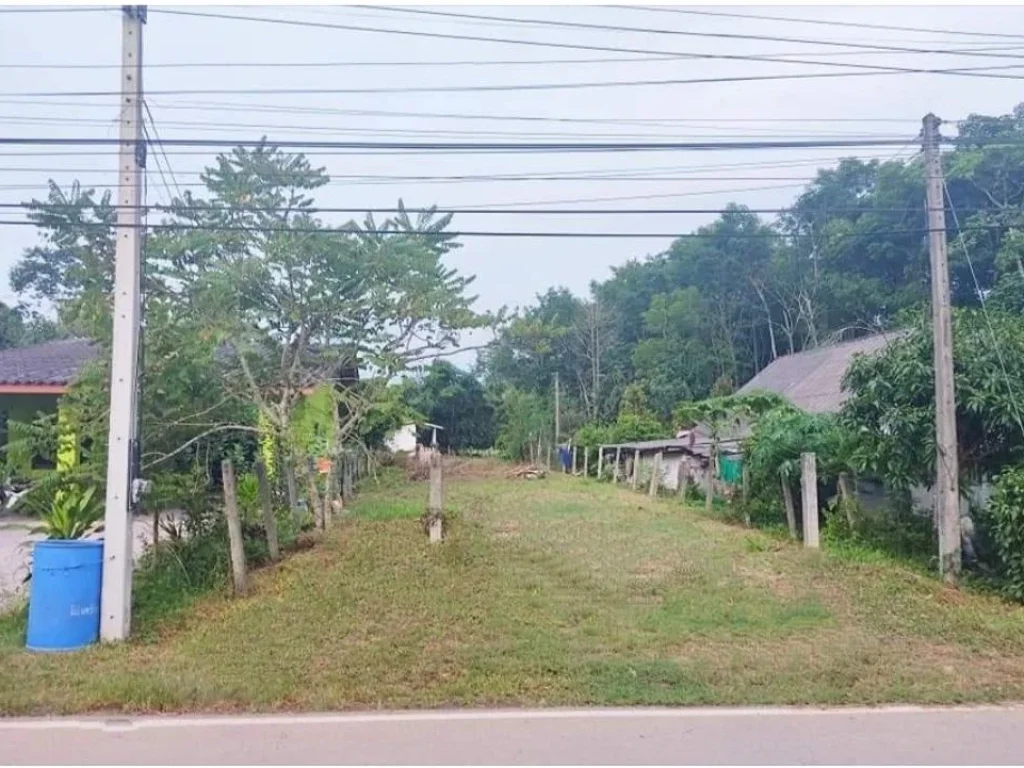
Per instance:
{"type": "Point", "coordinates": [116, 597]}
{"type": "Point", "coordinates": [947, 486]}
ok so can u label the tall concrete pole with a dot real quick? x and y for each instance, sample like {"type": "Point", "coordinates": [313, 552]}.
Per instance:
{"type": "Point", "coordinates": [116, 599]}
{"type": "Point", "coordinates": [947, 487]}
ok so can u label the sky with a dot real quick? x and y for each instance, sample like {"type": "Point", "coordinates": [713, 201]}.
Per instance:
{"type": "Point", "coordinates": [74, 53]}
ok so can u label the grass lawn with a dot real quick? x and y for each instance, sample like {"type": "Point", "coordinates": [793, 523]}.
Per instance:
{"type": "Point", "coordinates": [551, 592]}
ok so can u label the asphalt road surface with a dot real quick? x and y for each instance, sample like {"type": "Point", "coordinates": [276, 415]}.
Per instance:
{"type": "Point", "coordinates": [902, 735]}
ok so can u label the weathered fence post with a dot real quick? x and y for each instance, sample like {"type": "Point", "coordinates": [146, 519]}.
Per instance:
{"type": "Point", "coordinates": [746, 495]}
{"type": "Point", "coordinates": [636, 467]}
{"type": "Point", "coordinates": [682, 476]}
{"type": "Point", "coordinates": [846, 497]}
{"type": "Point", "coordinates": [709, 490]}
{"type": "Point", "coordinates": [809, 491]}
{"type": "Point", "coordinates": [617, 471]}
{"type": "Point", "coordinates": [346, 478]}
{"type": "Point", "coordinates": [235, 543]}
{"type": "Point", "coordinates": [655, 475]}
{"type": "Point", "coordinates": [330, 493]}
{"type": "Point", "coordinates": [586, 462]}
{"type": "Point", "coordinates": [315, 507]}
{"type": "Point", "coordinates": [787, 500]}
{"type": "Point", "coordinates": [435, 500]}
{"type": "Point", "coordinates": [574, 460]}
{"type": "Point", "coordinates": [267, 503]}
{"type": "Point", "coordinates": [600, 460]}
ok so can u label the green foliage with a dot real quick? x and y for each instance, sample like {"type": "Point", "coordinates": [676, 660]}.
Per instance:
{"type": "Point", "coordinates": [455, 400]}
{"type": "Point", "coordinates": [523, 418]}
{"type": "Point", "coordinates": [1006, 517]}
{"type": "Point", "coordinates": [891, 408]}
{"type": "Point", "coordinates": [72, 512]}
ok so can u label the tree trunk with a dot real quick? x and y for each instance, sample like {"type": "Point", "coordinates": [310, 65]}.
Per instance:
{"type": "Point", "coordinates": [314, 495]}
{"type": "Point", "coordinates": [236, 543]}
{"type": "Point", "coordinates": [787, 498]}
{"type": "Point", "coordinates": [291, 485]}
{"type": "Point", "coordinates": [267, 503]}
{"type": "Point", "coordinates": [846, 497]}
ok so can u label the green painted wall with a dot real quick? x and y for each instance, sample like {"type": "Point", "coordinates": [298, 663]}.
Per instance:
{"type": "Point", "coordinates": [23, 408]}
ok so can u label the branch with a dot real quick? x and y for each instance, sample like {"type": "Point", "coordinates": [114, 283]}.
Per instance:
{"type": "Point", "coordinates": [197, 438]}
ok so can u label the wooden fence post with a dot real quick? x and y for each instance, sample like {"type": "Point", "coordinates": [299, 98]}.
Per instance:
{"type": "Point", "coordinates": [682, 476]}
{"type": "Point", "coordinates": [746, 494]}
{"type": "Point", "coordinates": [330, 493]}
{"type": "Point", "coordinates": [600, 460]}
{"type": "Point", "coordinates": [618, 465]}
{"type": "Point", "coordinates": [315, 507]}
{"type": "Point", "coordinates": [787, 500]}
{"type": "Point", "coordinates": [574, 460]}
{"type": "Point", "coordinates": [809, 491]}
{"type": "Point", "coordinates": [346, 478]}
{"type": "Point", "coordinates": [236, 545]}
{"type": "Point", "coordinates": [636, 467]}
{"type": "Point", "coordinates": [655, 475]}
{"type": "Point", "coordinates": [586, 462]}
{"type": "Point", "coordinates": [267, 502]}
{"type": "Point", "coordinates": [435, 500]}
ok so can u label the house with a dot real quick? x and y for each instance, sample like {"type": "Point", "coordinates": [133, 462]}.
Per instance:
{"type": "Point", "coordinates": [812, 380]}
{"type": "Point", "coordinates": [33, 378]}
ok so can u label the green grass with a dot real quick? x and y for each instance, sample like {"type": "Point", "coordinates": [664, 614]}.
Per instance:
{"type": "Point", "coordinates": [552, 592]}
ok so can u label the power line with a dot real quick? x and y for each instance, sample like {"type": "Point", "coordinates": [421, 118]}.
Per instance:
{"type": "Point", "coordinates": [674, 32]}
{"type": "Point", "coordinates": [353, 229]}
{"type": "Point", "coordinates": [203, 208]}
{"type": "Point", "coordinates": [513, 41]}
{"type": "Point", "coordinates": [493, 146]}
{"type": "Point", "coordinates": [984, 72]}
{"type": "Point", "coordinates": [823, 22]}
{"type": "Point", "coordinates": [71, 9]}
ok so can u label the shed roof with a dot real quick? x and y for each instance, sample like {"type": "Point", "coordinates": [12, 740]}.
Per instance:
{"type": "Point", "coordinates": [44, 368]}
{"type": "Point", "coordinates": [813, 380]}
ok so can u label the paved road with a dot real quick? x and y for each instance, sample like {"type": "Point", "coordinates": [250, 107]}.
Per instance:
{"type": "Point", "coordinates": [646, 736]}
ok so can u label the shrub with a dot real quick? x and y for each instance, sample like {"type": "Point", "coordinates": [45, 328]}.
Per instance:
{"type": "Point", "coordinates": [1006, 518]}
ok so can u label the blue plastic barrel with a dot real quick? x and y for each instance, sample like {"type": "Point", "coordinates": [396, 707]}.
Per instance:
{"type": "Point", "coordinates": [64, 597]}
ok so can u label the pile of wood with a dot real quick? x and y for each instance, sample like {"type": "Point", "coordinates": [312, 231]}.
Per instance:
{"type": "Point", "coordinates": [527, 472]}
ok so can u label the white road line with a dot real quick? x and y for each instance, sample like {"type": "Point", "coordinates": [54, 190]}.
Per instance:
{"type": "Point", "coordinates": [121, 723]}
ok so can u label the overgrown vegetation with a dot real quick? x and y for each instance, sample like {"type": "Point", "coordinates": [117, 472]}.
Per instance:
{"type": "Point", "coordinates": [548, 593]}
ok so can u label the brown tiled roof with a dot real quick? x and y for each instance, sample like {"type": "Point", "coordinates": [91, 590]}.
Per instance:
{"type": "Point", "coordinates": [812, 380]}
{"type": "Point", "coordinates": [54, 363]}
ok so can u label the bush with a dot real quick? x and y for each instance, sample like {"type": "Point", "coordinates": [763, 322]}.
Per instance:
{"type": "Point", "coordinates": [1006, 520]}
{"type": "Point", "coordinates": [193, 562]}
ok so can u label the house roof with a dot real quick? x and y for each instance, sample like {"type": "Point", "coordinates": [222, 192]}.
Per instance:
{"type": "Point", "coordinates": [46, 368]}
{"type": "Point", "coordinates": [812, 380]}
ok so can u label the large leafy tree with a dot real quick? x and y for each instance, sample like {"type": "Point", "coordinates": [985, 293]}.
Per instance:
{"type": "Point", "coordinates": [455, 400]}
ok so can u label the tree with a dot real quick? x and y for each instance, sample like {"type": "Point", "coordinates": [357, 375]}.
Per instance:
{"type": "Point", "coordinates": [455, 400]}
{"type": "Point", "coordinates": [891, 407]}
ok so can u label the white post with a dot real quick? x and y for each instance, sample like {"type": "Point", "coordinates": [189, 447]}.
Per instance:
{"type": "Point", "coordinates": [618, 465]}
{"type": "Point", "coordinates": [116, 596]}
{"type": "Point", "coordinates": [600, 460]}
{"type": "Point", "coordinates": [947, 490]}
{"type": "Point", "coordinates": [809, 492]}
{"type": "Point", "coordinates": [655, 475]}
{"type": "Point", "coordinates": [435, 499]}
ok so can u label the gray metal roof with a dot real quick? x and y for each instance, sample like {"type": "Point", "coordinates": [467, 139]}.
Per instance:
{"type": "Point", "coordinates": [54, 363]}
{"type": "Point", "coordinates": [812, 380]}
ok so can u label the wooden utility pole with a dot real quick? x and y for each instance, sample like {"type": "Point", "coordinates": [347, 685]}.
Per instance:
{"type": "Point", "coordinates": [947, 487]}
{"type": "Point", "coordinates": [116, 595]}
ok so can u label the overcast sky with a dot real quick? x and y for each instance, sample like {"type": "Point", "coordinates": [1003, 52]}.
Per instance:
{"type": "Point", "coordinates": [509, 271]}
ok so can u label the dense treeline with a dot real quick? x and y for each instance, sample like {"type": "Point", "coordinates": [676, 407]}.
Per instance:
{"type": "Point", "coordinates": [844, 260]}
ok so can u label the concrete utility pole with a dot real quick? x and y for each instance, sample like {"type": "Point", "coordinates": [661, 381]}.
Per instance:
{"type": "Point", "coordinates": [122, 485]}
{"type": "Point", "coordinates": [947, 486]}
